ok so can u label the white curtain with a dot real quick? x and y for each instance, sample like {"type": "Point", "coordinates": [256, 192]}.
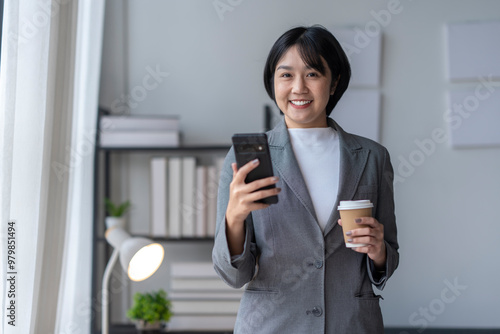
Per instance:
{"type": "Point", "coordinates": [49, 75]}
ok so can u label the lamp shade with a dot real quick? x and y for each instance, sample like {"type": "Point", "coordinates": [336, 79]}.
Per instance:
{"type": "Point", "coordinates": [140, 257]}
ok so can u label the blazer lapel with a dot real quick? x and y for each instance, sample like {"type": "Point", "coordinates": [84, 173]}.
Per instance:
{"type": "Point", "coordinates": [284, 161]}
{"type": "Point", "coordinates": [353, 158]}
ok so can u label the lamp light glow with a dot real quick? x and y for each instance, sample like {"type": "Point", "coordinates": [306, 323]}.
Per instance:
{"type": "Point", "coordinates": [145, 262]}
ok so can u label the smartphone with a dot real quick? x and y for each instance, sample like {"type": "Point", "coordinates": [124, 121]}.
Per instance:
{"type": "Point", "coordinates": [250, 146]}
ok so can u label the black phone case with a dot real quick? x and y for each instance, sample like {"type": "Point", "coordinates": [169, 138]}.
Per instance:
{"type": "Point", "coordinates": [250, 146]}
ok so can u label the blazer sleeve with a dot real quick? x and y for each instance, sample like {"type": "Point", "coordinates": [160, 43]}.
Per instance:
{"type": "Point", "coordinates": [386, 216]}
{"type": "Point", "coordinates": [236, 270]}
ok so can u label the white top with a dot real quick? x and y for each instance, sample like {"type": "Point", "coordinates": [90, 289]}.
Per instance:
{"type": "Point", "coordinates": [318, 154]}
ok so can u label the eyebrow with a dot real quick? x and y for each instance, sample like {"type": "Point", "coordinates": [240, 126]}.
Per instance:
{"type": "Point", "coordinates": [284, 67]}
{"type": "Point", "coordinates": [289, 68]}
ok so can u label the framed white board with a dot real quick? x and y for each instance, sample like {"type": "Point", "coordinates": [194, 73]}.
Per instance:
{"type": "Point", "coordinates": [364, 53]}
{"type": "Point", "coordinates": [358, 112]}
{"type": "Point", "coordinates": [474, 119]}
{"type": "Point", "coordinates": [473, 50]}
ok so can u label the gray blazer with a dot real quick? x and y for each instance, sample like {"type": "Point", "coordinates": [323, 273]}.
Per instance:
{"type": "Point", "coordinates": [300, 279]}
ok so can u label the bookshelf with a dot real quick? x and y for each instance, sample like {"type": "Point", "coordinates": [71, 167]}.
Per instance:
{"type": "Point", "coordinates": [104, 162]}
{"type": "Point", "coordinates": [130, 329]}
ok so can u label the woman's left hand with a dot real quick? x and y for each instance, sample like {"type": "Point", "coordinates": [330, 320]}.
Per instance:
{"type": "Point", "coordinates": [373, 236]}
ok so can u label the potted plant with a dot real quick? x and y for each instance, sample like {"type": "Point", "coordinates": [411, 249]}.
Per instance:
{"type": "Point", "coordinates": [150, 311]}
{"type": "Point", "coordinates": [115, 212]}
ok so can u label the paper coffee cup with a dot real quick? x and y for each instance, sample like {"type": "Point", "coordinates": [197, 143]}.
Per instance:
{"type": "Point", "coordinates": [349, 211]}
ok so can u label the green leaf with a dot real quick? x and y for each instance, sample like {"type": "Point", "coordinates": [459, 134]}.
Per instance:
{"type": "Point", "coordinates": [114, 210]}
{"type": "Point", "coordinates": [151, 307]}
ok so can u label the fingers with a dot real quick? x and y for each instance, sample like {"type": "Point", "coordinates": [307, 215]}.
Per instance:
{"type": "Point", "coordinates": [262, 183]}
{"type": "Point", "coordinates": [364, 249]}
{"type": "Point", "coordinates": [239, 175]}
{"type": "Point", "coordinates": [363, 231]}
{"type": "Point", "coordinates": [366, 236]}
{"type": "Point", "coordinates": [372, 233]}
{"type": "Point", "coordinates": [368, 240]}
{"type": "Point", "coordinates": [370, 221]}
{"type": "Point", "coordinates": [264, 193]}
{"type": "Point", "coordinates": [243, 197]}
{"type": "Point", "coordinates": [241, 204]}
{"type": "Point", "coordinates": [370, 226]}
{"type": "Point", "coordinates": [250, 193]}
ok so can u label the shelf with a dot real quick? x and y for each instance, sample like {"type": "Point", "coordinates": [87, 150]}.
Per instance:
{"type": "Point", "coordinates": [168, 239]}
{"type": "Point", "coordinates": [126, 329]}
{"type": "Point", "coordinates": [102, 186]}
{"type": "Point", "coordinates": [174, 149]}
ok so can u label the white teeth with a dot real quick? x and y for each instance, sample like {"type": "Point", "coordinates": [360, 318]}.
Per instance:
{"type": "Point", "coordinates": [300, 103]}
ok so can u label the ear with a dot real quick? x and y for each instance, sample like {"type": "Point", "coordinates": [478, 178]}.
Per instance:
{"type": "Point", "coordinates": [334, 86]}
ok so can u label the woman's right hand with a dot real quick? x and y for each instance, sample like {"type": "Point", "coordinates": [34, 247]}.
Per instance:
{"type": "Point", "coordinates": [242, 201]}
{"type": "Point", "coordinates": [243, 196]}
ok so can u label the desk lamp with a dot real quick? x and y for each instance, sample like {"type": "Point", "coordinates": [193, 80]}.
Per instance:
{"type": "Point", "coordinates": [139, 257]}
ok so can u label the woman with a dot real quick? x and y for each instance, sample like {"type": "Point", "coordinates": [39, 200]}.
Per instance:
{"type": "Point", "coordinates": [301, 277]}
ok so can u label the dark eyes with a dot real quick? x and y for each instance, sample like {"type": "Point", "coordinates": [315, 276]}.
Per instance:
{"type": "Point", "coordinates": [288, 75]}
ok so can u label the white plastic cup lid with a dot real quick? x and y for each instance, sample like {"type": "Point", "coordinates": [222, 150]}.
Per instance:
{"type": "Point", "coordinates": [352, 205]}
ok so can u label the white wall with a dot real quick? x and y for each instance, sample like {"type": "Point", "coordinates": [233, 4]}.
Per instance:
{"type": "Point", "coordinates": [447, 200]}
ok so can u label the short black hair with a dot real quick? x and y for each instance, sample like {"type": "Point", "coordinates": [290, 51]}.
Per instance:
{"type": "Point", "coordinates": [313, 43]}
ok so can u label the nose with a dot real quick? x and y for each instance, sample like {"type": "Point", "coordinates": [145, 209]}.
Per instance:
{"type": "Point", "coordinates": [299, 86]}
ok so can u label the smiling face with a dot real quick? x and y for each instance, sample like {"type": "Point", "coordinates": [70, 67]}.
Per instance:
{"type": "Point", "coordinates": [302, 92]}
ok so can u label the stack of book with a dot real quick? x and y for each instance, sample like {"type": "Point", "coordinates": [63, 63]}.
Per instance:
{"type": "Point", "coordinates": [200, 299]}
{"type": "Point", "coordinates": [183, 197]}
{"type": "Point", "coordinates": [139, 131]}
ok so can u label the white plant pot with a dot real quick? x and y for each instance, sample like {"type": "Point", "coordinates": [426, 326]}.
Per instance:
{"type": "Point", "coordinates": [142, 325]}
{"type": "Point", "coordinates": [146, 327]}
{"type": "Point", "coordinates": [115, 221]}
